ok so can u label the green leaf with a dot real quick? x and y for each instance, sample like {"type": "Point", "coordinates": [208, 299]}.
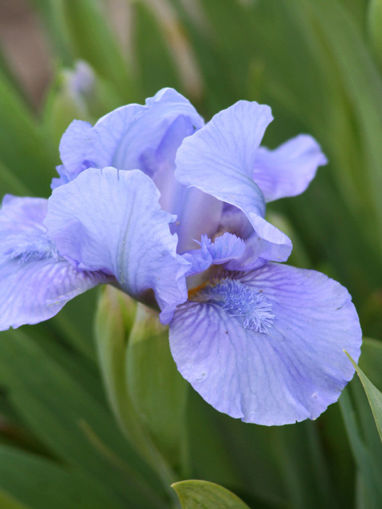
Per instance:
{"type": "Point", "coordinates": [23, 149]}
{"type": "Point", "coordinates": [156, 388]}
{"type": "Point", "coordinates": [206, 495]}
{"type": "Point", "coordinates": [8, 502]}
{"type": "Point", "coordinates": [232, 453]}
{"type": "Point", "coordinates": [209, 454]}
{"type": "Point", "coordinates": [375, 27]}
{"type": "Point", "coordinates": [9, 74]}
{"type": "Point", "coordinates": [368, 468]}
{"type": "Point", "coordinates": [154, 63]}
{"type": "Point", "coordinates": [356, 71]}
{"type": "Point", "coordinates": [368, 430]}
{"type": "Point", "coordinates": [10, 182]}
{"type": "Point", "coordinates": [167, 55]}
{"type": "Point", "coordinates": [75, 321]}
{"type": "Point", "coordinates": [371, 360]}
{"type": "Point", "coordinates": [42, 484]}
{"type": "Point", "coordinates": [74, 425]}
{"type": "Point", "coordinates": [114, 320]}
{"type": "Point", "coordinates": [51, 12]}
{"type": "Point", "coordinates": [373, 395]}
{"type": "Point", "coordinates": [301, 457]}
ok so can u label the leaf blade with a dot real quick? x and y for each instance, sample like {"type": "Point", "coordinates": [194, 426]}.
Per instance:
{"type": "Point", "coordinates": [194, 494]}
{"type": "Point", "coordinates": [373, 394]}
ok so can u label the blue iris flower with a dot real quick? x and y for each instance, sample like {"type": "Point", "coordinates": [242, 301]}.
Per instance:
{"type": "Point", "coordinates": [172, 211]}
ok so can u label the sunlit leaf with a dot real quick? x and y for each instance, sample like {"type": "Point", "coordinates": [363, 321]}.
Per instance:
{"type": "Point", "coordinates": [206, 495]}
{"type": "Point", "coordinates": [373, 395]}
{"type": "Point", "coordinates": [8, 502]}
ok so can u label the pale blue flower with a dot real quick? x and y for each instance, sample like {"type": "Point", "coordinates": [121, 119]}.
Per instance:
{"type": "Point", "coordinates": [172, 211]}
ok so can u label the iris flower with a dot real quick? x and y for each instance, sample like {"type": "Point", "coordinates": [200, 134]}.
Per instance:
{"type": "Point", "coordinates": [172, 211]}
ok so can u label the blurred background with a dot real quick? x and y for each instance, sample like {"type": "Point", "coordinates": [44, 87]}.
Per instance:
{"type": "Point", "coordinates": [318, 64]}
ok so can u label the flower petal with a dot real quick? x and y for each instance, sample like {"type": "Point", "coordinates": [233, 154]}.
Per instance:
{"type": "Point", "coordinates": [267, 347]}
{"type": "Point", "coordinates": [35, 290]}
{"type": "Point", "coordinates": [233, 220]}
{"type": "Point", "coordinates": [289, 169]}
{"type": "Point", "coordinates": [199, 215]}
{"type": "Point", "coordinates": [76, 151]}
{"type": "Point", "coordinates": [160, 164]}
{"type": "Point", "coordinates": [122, 137]}
{"type": "Point", "coordinates": [219, 160]}
{"type": "Point", "coordinates": [224, 249]}
{"type": "Point", "coordinates": [197, 212]}
{"type": "Point", "coordinates": [235, 253]}
{"type": "Point", "coordinates": [35, 282]}
{"type": "Point", "coordinates": [111, 220]}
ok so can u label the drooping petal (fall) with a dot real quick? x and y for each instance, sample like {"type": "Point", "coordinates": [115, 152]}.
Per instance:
{"type": "Point", "coordinates": [35, 281]}
{"type": "Point", "coordinates": [267, 346]}
{"type": "Point", "coordinates": [111, 221]}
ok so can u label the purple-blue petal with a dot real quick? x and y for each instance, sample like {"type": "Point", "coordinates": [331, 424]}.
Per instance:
{"type": "Point", "coordinates": [219, 160]}
{"type": "Point", "coordinates": [267, 346]}
{"type": "Point", "coordinates": [123, 137]}
{"type": "Point", "coordinates": [233, 220]}
{"type": "Point", "coordinates": [111, 221]}
{"type": "Point", "coordinates": [289, 169]}
{"type": "Point", "coordinates": [159, 164]}
{"type": "Point", "coordinates": [221, 251]}
{"type": "Point", "coordinates": [235, 253]}
{"type": "Point", "coordinates": [35, 281]}
{"type": "Point", "coordinates": [198, 215]}
{"type": "Point", "coordinates": [77, 146]}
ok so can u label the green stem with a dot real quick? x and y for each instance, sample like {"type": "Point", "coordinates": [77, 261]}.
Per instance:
{"type": "Point", "coordinates": [112, 340]}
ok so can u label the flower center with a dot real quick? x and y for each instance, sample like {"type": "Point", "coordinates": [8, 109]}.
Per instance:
{"type": "Point", "coordinates": [248, 305]}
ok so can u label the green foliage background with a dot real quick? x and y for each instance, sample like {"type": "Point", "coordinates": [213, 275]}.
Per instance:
{"type": "Point", "coordinates": [64, 442]}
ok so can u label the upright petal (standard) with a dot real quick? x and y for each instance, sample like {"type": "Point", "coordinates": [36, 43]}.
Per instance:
{"type": "Point", "coordinates": [219, 160]}
{"type": "Point", "coordinates": [123, 137]}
